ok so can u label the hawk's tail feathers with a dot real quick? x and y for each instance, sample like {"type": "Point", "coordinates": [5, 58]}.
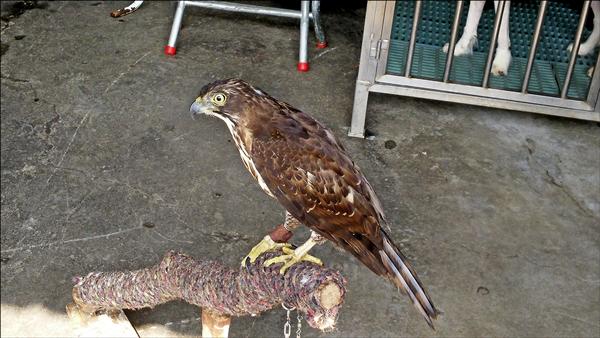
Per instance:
{"type": "Point", "coordinates": [402, 274]}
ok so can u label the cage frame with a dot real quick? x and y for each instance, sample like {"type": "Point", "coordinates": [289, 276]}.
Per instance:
{"type": "Point", "coordinates": [374, 78]}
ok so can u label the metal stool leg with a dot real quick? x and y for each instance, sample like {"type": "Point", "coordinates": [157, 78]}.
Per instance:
{"type": "Point", "coordinates": [359, 111]}
{"type": "Point", "coordinates": [170, 47]}
{"type": "Point", "coordinates": [320, 35]}
{"type": "Point", "coordinates": [304, 21]}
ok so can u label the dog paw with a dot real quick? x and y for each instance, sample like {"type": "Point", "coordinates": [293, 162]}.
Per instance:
{"type": "Point", "coordinates": [501, 62]}
{"type": "Point", "coordinates": [584, 49]}
{"type": "Point", "coordinates": [465, 45]}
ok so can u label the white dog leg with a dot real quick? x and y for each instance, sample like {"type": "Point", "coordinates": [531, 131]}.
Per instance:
{"type": "Point", "coordinates": [469, 37]}
{"type": "Point", "coordinates": [503, 56]}
{"type": "Point", "coordinates": [594, 39]}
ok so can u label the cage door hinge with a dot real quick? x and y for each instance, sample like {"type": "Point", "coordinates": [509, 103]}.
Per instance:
{"type": "Point", "coordinates": [376, 47]}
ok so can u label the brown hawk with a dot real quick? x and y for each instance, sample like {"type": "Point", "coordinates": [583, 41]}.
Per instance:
{"type": "Point", "coordinates": [299, 162]}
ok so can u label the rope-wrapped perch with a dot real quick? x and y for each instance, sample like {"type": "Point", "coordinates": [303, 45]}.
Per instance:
{"type": "Point", "coordinates": [314, 290]}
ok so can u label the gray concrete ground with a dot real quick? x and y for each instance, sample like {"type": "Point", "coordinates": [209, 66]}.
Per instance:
{"type": "Point", "coordinates": [498, 210]}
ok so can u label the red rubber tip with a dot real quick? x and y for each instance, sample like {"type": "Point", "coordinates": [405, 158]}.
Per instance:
{"type": "Point", "coordinates": [170, 50]}
{"type": "Point", "coordinates": [322, 44]}
{"type": "Point", "coordinates": [303, 67]}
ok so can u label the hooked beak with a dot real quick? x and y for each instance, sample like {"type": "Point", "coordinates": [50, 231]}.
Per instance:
{"type": "Point", "coordinates": [199, 107]}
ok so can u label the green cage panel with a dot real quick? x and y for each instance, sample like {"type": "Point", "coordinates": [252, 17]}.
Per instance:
{"type": "Point", "coordinates": [551, 57]}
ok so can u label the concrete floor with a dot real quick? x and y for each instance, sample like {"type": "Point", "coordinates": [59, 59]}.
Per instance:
{"type": "Point", "coordinates": [498, 210]}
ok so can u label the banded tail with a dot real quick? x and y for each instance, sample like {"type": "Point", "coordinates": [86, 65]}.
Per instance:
{"type": "Point", "coordinates": [404, 277]}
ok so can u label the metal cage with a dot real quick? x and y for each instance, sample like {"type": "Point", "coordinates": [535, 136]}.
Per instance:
{"type": "Point", "coordinates": [387, 64]}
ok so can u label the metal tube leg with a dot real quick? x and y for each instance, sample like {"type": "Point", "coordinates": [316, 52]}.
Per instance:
{"type": "Point", "coordinates": [170, 47]}
{"type": "Point", "coordinates": [304, 22]}
{"type": "Point", "coordinates": [319, 34]}
{"type": "Point", "coordinates": [359, 112]}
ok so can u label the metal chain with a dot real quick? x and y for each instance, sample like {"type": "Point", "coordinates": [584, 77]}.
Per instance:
{"type": "Point", "coordinates": [287, 327]}
{"type": "Point", "coordinates": [299, 329]}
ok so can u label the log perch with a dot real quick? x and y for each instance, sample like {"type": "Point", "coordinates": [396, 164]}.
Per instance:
{"type": "Point", "coordinates": [221, 291]}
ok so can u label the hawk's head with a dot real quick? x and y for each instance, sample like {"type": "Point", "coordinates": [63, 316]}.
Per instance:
{"type": "Point", "coordinates": [227, 99]}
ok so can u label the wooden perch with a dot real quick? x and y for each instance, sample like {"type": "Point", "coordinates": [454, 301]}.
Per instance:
{"type": "Point", "coordinates": [220, 291]}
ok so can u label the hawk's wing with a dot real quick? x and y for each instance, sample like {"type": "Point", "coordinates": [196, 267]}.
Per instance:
{"type": "Point", "coordinates": [311, 175]}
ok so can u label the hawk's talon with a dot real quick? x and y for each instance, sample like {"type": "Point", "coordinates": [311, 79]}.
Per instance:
{"type": "Point", "coordinates": [265, 245]}
{"type": "Point", "coordinates": [291, 257]}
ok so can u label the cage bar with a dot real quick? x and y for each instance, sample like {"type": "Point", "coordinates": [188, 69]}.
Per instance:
{"type": "Point", "coordinates": [575, 49]}
{"type": "Point", "coordinates": [534, 44]}
{"type": "Point", "coordinates": [413, 37]}
{"type": "Point", "coordinates": [452, 44]}
{"type": "Point", "coordinates": [494, 38]}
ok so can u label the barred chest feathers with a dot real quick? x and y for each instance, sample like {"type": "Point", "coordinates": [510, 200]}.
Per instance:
{"type": "Point", "coordinates": [246, 159]}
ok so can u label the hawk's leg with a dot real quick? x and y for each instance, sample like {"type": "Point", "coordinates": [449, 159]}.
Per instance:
{"type": "Point", "coordinates": [291, 257]}
{"type": "Point", "coordinates": [276, 239]}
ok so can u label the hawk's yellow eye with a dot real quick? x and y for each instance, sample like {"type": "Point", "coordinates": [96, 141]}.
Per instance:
{"type": "Point", "coordinates": [219, 99]}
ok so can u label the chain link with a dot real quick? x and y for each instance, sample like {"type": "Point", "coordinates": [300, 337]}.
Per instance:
{"type": "Point", "coordinates": [299, 329]}
{"type": "Point", "coordinates": [287, 327]}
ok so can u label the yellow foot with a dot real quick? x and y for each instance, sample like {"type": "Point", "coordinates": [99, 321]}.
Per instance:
{"type": "Point", "coordinates": [267, 244]}
{"type": "Point", "coordinates": [290, 258]}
